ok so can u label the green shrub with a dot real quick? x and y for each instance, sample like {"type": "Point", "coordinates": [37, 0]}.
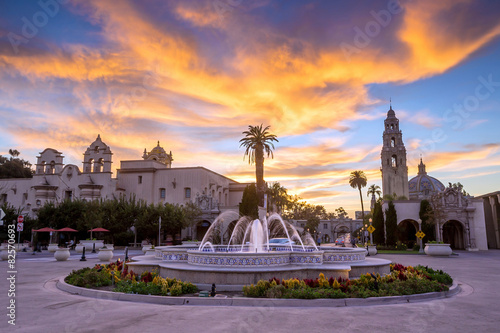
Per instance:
{"type": "Point", "coordinates": [401, 246]}
{"type": "Point", "coordinates": [88, 278]}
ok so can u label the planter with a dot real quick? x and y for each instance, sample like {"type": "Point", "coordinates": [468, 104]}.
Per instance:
{"type": "Point", "coordinates": [146, 248]}
{"type": "Point", "coordinates": [79, 248]}
{"type": "Point", "coordinates": [61, 254]}
{"type": "Point", "coordinates": [372, 250]}
{"type": "Point", "coordinates": [53, 247]}
{"type": "Point", "coordinates": [109, 246]}
{"type": "Point", "coordinates": [89, 244]}
{"type": "Point", "coordinates": [150, 252]}
{"type": "Point", "coordinates": [105, 254]}
{"type": "Point", "coordinates": [437, 249]}
{"type": "Point", "coordinates": [4, 254]}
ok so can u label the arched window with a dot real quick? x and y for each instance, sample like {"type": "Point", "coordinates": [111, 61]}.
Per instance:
{"type": "Point", "coordinates": [50, 168]}
{"type": "Point", "coordinates": [96, 149]}
{"type": "Point", "coordinates": [98, 165]}
{"type": "Point", "coordinates": [41, 168]}
{"type": "Point", "coordinates": [393, 142]}
{"type": "Point", "coordinates": [89, 166]}
{"type": "Point", "coordinates": [392, 126]}
{"type": "Point", "coordinates": [394, 161]}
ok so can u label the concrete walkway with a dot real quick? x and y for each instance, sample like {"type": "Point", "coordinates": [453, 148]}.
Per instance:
{"type": "Point", "coordinates": [41, 307]}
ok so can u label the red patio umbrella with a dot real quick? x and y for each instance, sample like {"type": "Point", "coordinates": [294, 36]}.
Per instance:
{"type": "Point", "coordinates": [67, 230]}
{"type": "Point", "coordinates": [97, 230]}
{"type": "Point", "coordinates": [46, 229]}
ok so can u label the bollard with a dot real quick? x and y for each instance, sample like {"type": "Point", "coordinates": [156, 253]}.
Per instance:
{"type": "Point", "coordinates": [83, 255]}
{"type": "Point", "coordinates": [93, 248]}
{"type": "Point", "coordinates": [126, 254]}
{"type": "Point", "coordinates": [212, 293]}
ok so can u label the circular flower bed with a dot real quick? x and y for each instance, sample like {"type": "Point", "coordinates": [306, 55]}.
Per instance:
{"type": "Point", "coordinates": [119, 278]}
{"type": "Point", "coordinates": [402, 281]}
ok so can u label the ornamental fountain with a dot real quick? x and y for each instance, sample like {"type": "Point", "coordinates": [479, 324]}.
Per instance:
{"type": "Point", "coordinates": [249, 256]}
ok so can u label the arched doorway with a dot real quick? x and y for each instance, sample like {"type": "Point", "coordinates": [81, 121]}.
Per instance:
{"type": "Point", "coordinates": [453, 234]}
{"type": "Point", "coordinates": [201, 229]}
{"type": "Point", "coordinates": [326, 239]}
{"type": "Point", "coordinates": [341, 231]}
{"type": "Point", "coordinates": [407, 230]}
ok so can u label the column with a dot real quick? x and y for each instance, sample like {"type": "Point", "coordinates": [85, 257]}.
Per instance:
{"type": "Point", "coordinates": [495, 218]}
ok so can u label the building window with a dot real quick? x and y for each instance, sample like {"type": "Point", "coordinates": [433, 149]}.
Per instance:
{"type": "Point", "coordinates": [394, 161]}
{"type": "Point", "coordinates": [162, 193]}
{"type": "Point", "coordinates": [187, 192]}
{"type": "Point", "coordinates": [325, 225]}
{"type": "Point", "coordinates": [302, 225]}
{"type": "Point", "coordinates": [393, 142]}
{"type": "Point", "coordinates": [3, 198]}
{"type": "Point", "coordinates": [139, 179]}
{"type": "Point", "coordinates": [68, 195]}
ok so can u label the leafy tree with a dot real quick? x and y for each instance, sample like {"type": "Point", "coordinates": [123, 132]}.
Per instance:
{"type": "Point", "coordinates": [258, 140]}
{"type": "Point", "coordinates": [278, 198]}
{"type": "Point", "coordinates": [14, 167]}
{"type": "Point", "coordinates": [341, 213]}
{"type": "Point", "coordinates": [378, 224]}
{"type": "Point", "coordinates": [249, 205]}
{"type": "Point", "coordinates": [391, 224]}
{"type": "Point", "coordinates": [192, 214]}
{"type": "Point", "coordinates": [312, 224]}
{"type": "Point", "coordinates": [394, 196]}
{"type": "Point", "coordinates": [357, 179]}
{"type": "Point", "coordinates": [460, 187]}
{"type": "Point", "coordinates": [426, 214]}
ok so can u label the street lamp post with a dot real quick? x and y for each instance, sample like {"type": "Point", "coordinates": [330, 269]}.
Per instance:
{"type": "Point", "coordinates": [366, 233]}
{"type": "Point", "coordinates": [371, 234]}
{"type": "Point", "coordinates": [419, 221]}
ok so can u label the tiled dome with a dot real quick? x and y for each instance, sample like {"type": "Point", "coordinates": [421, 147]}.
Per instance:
{"type": "Point", "coordinates": [423, 185]}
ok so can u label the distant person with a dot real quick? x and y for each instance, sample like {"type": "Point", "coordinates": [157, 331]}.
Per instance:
{"type": "Point", "coordinates": [319, 241]}
{"type": "Point", "coordinates": [353, 241]}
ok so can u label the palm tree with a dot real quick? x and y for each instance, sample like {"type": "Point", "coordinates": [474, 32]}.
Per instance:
{"type": "Point", "coordinates": [257, 141]}
{"type": "Point", "coordinates": [357, 179]}
{"type": "Point", "coordinates": [374, 189]}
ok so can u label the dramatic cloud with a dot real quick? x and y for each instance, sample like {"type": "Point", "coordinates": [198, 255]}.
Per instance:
{"type": "Point", "coordinates": [195, 74]}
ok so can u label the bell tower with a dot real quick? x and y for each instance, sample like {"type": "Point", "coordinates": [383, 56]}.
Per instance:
{"type": "Point", "coordinates": [393, 155]}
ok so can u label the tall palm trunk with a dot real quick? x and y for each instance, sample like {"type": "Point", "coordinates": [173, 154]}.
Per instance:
{"type": "Point", "coordinates": [362, 207]}
{"type": "Point", "coordinates": [259, 172]}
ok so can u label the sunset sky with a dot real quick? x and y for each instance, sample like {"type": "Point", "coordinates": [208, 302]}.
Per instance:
{"type": "Point", "coordinates": [195, 74]}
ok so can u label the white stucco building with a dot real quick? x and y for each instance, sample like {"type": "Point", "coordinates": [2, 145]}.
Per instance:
{"type": "Point", "coordinates": [151, 178]}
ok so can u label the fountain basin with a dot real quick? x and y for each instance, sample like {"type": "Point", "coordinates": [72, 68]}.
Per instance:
{"type": "Point", "coordinates": [232, 278]}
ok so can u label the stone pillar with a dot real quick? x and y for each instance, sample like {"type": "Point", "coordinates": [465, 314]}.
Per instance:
{"type": "Point", "coordinates": [495, 218]}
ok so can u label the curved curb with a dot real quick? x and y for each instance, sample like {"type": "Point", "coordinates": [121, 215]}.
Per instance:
{"type": "Point", "coordinates": [262, 302]}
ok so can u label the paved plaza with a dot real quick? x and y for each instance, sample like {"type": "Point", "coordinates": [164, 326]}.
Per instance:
{"type": "Point", "coordinates": [41, 307]}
